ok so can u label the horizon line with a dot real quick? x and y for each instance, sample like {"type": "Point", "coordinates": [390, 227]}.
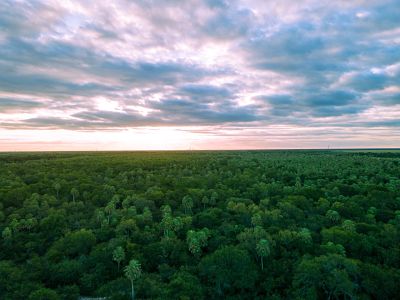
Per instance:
{"type": "Point", "coordinates": [197, 150]}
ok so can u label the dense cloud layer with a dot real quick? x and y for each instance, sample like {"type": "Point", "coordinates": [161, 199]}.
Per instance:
{"type": "Point", "coordinates": [84, 65]}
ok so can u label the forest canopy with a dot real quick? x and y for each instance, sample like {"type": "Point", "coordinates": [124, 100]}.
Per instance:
{"type": "Point", "coordinates": [200, 225]}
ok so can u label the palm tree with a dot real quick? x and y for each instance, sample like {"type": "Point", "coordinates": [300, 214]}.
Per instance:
{"type": "Point", "coordinates": [74, 193]}
{"type": "Point", "coordinates": [7, 235]}
{"type": "Point", "coordinates": [263, 250]}
{"type": "Point", "coordinates": [118, 255]}
{"type": "Point", "coordinates": [57, 187]}
{"type": "Point", "coordinates": [133, 272]}
{"type": "Point", "coordinates": [256, 220]}
{"type": "Point", "coordinates": [197, 240]}
{"type": "Point", "coordinates": [167, 225]}
{"type": "Point", "coordinates": [187, 203]}
{"type": "Point", "coordinates": [214, 198]}
{"type": "Point", "coordinates": [193, 243]}
{"type": "Point", "coordinates": [205, 201]}
{"type": "Point", "coordinates": [109, 209]}
{"type": "Point", "coordinates": [333, 216]}
{"type": "Point", "coordinates": [349, 225]}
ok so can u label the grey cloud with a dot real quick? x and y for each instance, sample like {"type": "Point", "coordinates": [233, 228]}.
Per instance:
{"type": "Point", "coordinates": [48, 86]}
{"type": "Point", "coordinates": [388, 99]}
{"type": "Point", "coordinates": [7, 104]}
{"type": "Point", "coordinates": [382, 17]}
{"type": "Point", "coordinates": [217, 3]}
{"type": "Point", "coordinates": [385, 123]}
{"type": "Point", "coordinates": [367, 81]}
{"type": "Point", "coordinates": [289, 49]}
{"type": "Point", "coordinates": [319, 104]}
{"type": "Point", "coordinates": [277, 99]}
{"type": "Point", "coordinates": [28, 18]}
{"type": "Point", "coordinates": [337, 111]}
{"type": "Point", "coordinates": [385, 98]}
{"type": "Point", "coordinates": [280, 105]}
{"type": "Point", "coordinates": [168, 113]}
{"type": "Point", "coordinates": [321, 52]}
{"type": "Point", "coordinates": [228, 23]}
{"type": "Point", "coordinates": [42, 54]}
{"type": "Point", "coordinates": [189, 112]}
{"type": "Point", "coordinates": [206, 93]}
{"type": "Point", "coordinates": [52, 122]}
{"type": "Point", "coordinates": [331, 98]}
{"type": "Point", "coordinates": [90, 120]}
{"type": "Point", "coordinates": [115, 118]}
{"type": "Point", "coordinates": [118, 74]}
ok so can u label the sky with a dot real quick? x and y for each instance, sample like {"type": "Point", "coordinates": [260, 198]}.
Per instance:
{"type": "Point", "coordinates": [199, 74]}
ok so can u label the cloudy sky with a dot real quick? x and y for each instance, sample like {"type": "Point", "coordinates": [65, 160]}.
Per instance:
{"type": "Point", "coordinates": [199, 74]}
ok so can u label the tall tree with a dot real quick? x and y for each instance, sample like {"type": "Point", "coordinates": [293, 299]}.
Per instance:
{"type": "Point", "coordinates": [119, 255]}
{"type": "Point", "coordinates": [332, 276]}
{"type": "Point", "coordinates": [74, 193]}
{"type": "Point", "coordinates": [197, 240]}
{"type": "Point", "coordinates": [213, 198]}
{"type": "Point", "coordinates": [133, 271]}
{"type": "Point", "coordinates": [205, 200]}
{"type": "Point", "coordinates": [333, 216]}
{"type": "Point", "coordinates": [109, 209]}
{"type": "Point", "coordinates": [167, 222]}
{"type": "Point", "coordinates": [229, 270]}
{"type": "Point", "coordinates": [57, 187]}
{"type": "Point", "coordinates": [7, 235]}
{"type": "Point", "coordinates": [256, 220]}
{"type": "Point", "coordinates": [263, 250]}
{"type": "Point", "coordinates": [187, 203]}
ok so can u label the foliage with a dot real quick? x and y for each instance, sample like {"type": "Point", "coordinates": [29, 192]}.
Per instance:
{"type": "Point", "coordinates": [200, 225]}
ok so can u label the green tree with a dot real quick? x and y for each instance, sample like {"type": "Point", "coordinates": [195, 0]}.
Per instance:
{"type": "Point", "coordinates": [298, 183]}
{"type": "Point", "coordinates": [229, 270]}
{"type": "Point", "coordinates": [73, 244]}
{"type": "Point", "coordinates": [333, 216]}
{"type": "Point", "coordinates": [147, 215]}
{"type": "Point", "coordinates": [57, 187]}
{"type": "Point", "coordinates": [349, 225]}
{"type": "Point", "coordinates": [184, 285]}
{"type": "Point", "coordinates": [213, 198]}
{"type": "Point", "coordinates": [305, 239]}
{"type": "Point", "coordinates": [133, 271]}
{"type": "Point", "coordinates": [14, 225]}
{"type": "Point", "coordinates": [197, 240]}
{"type": "Point", "coordinates": [119, 255]}
{"type": "Point", "coordinates": [167, 221]}
{"type": "Point", "coordinates": [371, 214]}
{"type": "Point", "coordinates": [109, 210]}
{"type": "Point", "coordinates": [187, 203]}
{"type": "Point", "coordinates": [74, 194]}
{"type": "Point", "coordinates": [44, 294]}
{"type": "Point", "coordinates": [250, 237]}
{"type": "Point", "coordinates": [331, 248]}
{"type": "Point", "coordinates": [206, 201]}
{"type": "Point", "coordinates": [126, 228]}
{"type": "Point", "coordinates": [332, 275]}
{"type": "Point", "coordinates": [263, 250]}
{"type": "Point", "coordinates": [256, 220]}
{"type": "Point", "coordinates": [27, 224]}
{"type": "Point", "coordinates": [7, 235]}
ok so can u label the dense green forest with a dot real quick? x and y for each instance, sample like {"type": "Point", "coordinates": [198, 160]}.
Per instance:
{"type": "Point", "coordinates": [200, 225]}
